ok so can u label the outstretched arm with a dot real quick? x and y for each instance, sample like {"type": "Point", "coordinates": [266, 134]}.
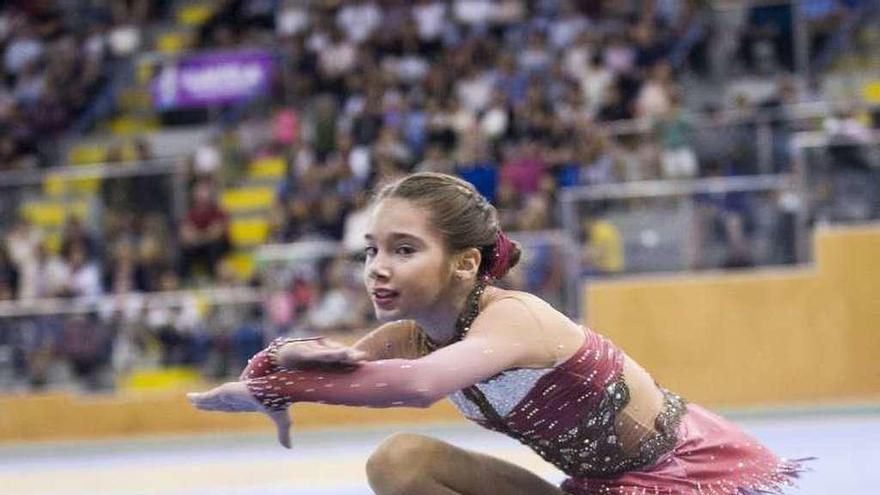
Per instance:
{"type": "Point", "coordinates": [391, 382]}
{"type": "Point", "coordinates": [384, 383]}
{"type": "Point", "coordinates": [504, 336]}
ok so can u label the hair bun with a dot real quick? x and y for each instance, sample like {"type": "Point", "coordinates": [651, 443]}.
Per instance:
{"type": "Point", "coordinates": [506, 254]}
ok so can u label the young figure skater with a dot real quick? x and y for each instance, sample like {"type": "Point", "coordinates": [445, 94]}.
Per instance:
{"type": "Point", "coordinates": [507, 360]}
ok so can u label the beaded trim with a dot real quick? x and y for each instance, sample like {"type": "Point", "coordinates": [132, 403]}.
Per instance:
{"type": "Point", "coordinates": [462, 324]}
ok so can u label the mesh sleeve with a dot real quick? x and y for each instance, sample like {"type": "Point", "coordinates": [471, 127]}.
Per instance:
{"type": "Point", "coordinates": [502, 337]}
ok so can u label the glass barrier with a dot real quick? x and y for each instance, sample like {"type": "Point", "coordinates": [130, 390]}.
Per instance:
{"type": "Point", "coordinates": [541, 269]}
{"type": "Point", "coordinates": [668, 226]}
{"type": "Point", "coordinates": [842, 176]}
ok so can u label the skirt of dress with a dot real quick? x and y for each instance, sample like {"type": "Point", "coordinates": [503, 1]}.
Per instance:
{"type": "Point", "coordinates": [712, 457]}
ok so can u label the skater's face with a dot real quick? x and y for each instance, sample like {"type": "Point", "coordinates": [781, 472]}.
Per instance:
{"type": "Point", "coordinates": [407, 269]}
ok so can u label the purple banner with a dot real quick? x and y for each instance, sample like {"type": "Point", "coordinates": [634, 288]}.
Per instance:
{"type": "Point", "coordinates": [212, 79]}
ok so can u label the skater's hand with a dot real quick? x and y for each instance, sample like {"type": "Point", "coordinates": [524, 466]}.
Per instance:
{"type": "Point", "coordinates": [235, 397]}
{"type": "Point", "coordinates": [229, 397]}
{"type": "Point", "coordinates": [319, 352]}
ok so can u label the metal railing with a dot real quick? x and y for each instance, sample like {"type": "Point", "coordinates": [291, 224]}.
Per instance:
{"type": "Point", "coordinates": [686, 225]}
{"type": "Point", "coordinates": [94, 344]}
{"type": "Point", "coordinates": [840, 175]}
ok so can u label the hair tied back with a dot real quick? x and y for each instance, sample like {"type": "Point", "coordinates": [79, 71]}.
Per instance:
{"type": "Point", "coordinates": [504, 247]}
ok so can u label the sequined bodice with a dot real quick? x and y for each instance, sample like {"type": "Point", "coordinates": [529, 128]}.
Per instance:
{"type": "Point", "coordinates": [571, 415]}
{"type": "Point", "coordinates": [503, 391]}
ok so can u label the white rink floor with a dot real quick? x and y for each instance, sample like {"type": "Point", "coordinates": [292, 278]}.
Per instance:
{"type": "Point", "coordinates": [331, 462]}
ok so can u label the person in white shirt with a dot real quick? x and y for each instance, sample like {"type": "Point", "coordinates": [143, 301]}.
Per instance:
{"type": "Point", "coordinates": [359, 19]}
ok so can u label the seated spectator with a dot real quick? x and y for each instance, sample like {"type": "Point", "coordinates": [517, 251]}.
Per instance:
{"type": "Point", "coordinates": [535, 214]}
{"type": "Point", "coordinates": [247, 339]}
{"type": "Point", "coordinates": [359, 19]}
{"type": "Point", "coordinates": [83, 277]}
{"type": "Point", "coordinates": [524, 167]}
{"type": "Point", "coordinates": [154, 260]}
{"type": "Point", "coordinates": [480, 169]}
{"type": "Point", "coordinates": [21, 243]}
{"type": "Point", "coordinates": [124, 273]}
{"type": "Point", "coordinates": [49, 272]}
{"type": "Point", "coordinates": [87, 346]}
{"type": "Point", "coordinates": [677, 159]}
{"type": "Point", "coordinates": [854, 177]}
{"type": "Point", "coordinates": [8, 276]}
{"type": "Point", "coordinates": [330, 215]}
{"type": "Point", "coordinates": [390, 145]}
{"type": "Point", "coordinates": [724, 218]}
{"type": "Point", "coordinates": [508, 203]}
{"type": "Point", "coordinates": [74, 232]}
{"type": "Point", "coordinates": [600, 163]}
{"type": "Point", "coordinates": [34, 350]}
{"type": "Point", "coordinates": [602, 251]}
{"type": "Point", "coordinates": [342, 305]}
{"type": "Point", "coordinates": [613, 106]}
{"type": "Point", "coordinates": [495, 121]}
{"type": "Point", "coordinates": [436, 160]}
{"type": "Point", "coordinates": [356, 225]}
{"type": "Point", "coordinates": [655, 94]}
{"type": "Point", "coordinates": [204, 232]}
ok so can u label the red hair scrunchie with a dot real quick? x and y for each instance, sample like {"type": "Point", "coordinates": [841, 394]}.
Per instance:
{"type": "Point", "coordinates": [500, 256]}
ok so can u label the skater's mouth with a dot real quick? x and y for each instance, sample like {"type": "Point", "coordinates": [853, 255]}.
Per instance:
{"type": "Point", "coordinates": [384, 297]}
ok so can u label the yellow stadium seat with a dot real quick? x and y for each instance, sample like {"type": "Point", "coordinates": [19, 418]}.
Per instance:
{"type": "Point", "coordinates": [87, 153]}
{"type": "Point", "coordinates": [161, 379]}
{"type": "Point", "coordinates": [53, 241]}
{"type": "Point", "coordinates": [125, 125]}
{"type": "Point", "coordinates": [272, 167]}
{"type": "Point", "coordinates": [87, 186]}
{"type": "Point", "coordinates": [248, 232]}
{"type": "Point", "coordinates": [150, 123]}
{"type": "Point", "coordinates": [242, 263]}
{"type": "Point", "coordinates": [134, 99]}
{"type": "Point", "coordinates": [194, 15]}
{"type": "Point", "coordinates": [202, 305]}
{"type": "Point", "coordinates": [45, 214]}
{"type": "Point", "coordinates": [172, 42]}
{"type": "Point", "coordinates": [144, 71]}
{"type": "Point", "coordinates": [53, 213]}
{"type": "Point", "coordinates": [247, 199]}
{"type": "Point", "coordinates": [127, 154]}
{"type": "Point", "coordinates": [871, 92]}
{"type": "Point", "coordinates": [55, 186]}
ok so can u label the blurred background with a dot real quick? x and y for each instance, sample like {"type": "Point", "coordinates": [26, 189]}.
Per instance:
{"type": "Point", "coordinates": [181, 181]}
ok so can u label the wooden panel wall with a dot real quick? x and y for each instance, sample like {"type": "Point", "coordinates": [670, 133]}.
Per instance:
{"type": "Point", "coordinates": [754, 338]}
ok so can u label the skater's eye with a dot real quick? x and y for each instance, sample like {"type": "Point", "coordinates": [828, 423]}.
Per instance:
{"type": "Point", "coordinates": [405, 250]}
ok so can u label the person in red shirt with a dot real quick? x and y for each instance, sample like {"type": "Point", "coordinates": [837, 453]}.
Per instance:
{"type": "Point", "coordinates": [204, 232]}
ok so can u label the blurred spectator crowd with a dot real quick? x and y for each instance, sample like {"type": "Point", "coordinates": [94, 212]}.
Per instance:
{"type": "Point", "coordinates": [56, 59]}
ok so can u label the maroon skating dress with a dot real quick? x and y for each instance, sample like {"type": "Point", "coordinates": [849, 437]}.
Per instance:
{"type": "Point", "coordinates": [598, 416]}
{"type": "Point", "coordinates": [589, 417]}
